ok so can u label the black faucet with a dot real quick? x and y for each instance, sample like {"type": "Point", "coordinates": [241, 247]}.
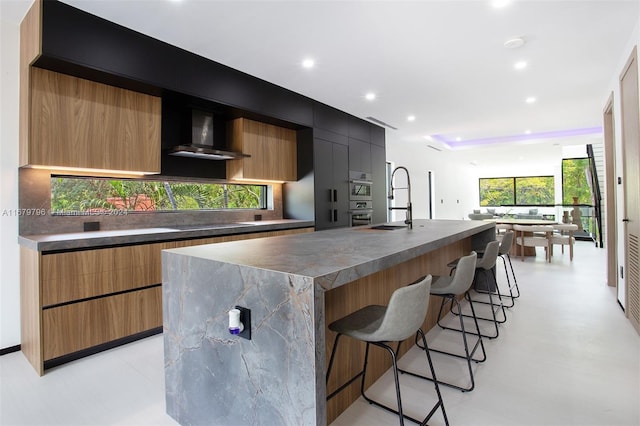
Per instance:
{"type": "Point", "coordinates": [408, 220]}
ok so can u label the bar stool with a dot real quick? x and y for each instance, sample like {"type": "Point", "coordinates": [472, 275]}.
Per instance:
{"type": "Point", "coordinates": [506, 243]}
{"type": "Point", "coordinates": [485, 267]}
{"type": "Point", "coordinates": [449, 288]}
{"type": "Point", "coordinates": [375, 325]}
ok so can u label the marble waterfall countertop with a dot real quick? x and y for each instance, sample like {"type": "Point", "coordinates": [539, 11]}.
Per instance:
{"type": "Point", "coordinates": [335, 257]}
{"type": "Point", "coordinates": [277, 377]}
{"type": "Point", "coordinates": [97, 239]}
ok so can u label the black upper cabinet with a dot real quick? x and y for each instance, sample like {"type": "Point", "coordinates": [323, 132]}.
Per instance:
{"type": "Point", "coordinates": [359, 156]}
{"type": "Point", "coordinates": [286, 105]}
{"type": "Point", "coordinates": [379, 172]}
{"type": "Point", "coordinates": [377, 135]}
{"type": "Point", "coordinates": [86, 46]}
{"type": "Point", "coordinates": [359, 129]}
{"type": "Point", "coordinates": [328, 118]}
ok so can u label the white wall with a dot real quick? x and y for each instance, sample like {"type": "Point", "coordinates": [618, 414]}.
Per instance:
{"type": "Point", "coordinates": [452, 200]}
{"type": "Point", "coordinates": [9, 250]}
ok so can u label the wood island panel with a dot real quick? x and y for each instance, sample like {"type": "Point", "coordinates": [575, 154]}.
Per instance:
{"type": "Point", "coordinates": [376, 289]}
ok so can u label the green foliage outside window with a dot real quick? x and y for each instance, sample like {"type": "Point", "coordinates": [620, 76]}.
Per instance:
{"type": "Point", "coordinates": [517, 191]}
{"type": "Point", "coordinates": [535, 191]}
{"type": "Point", "coordinates": [95, 195]}
{"type": "Point", "coordinates": [496, 192]}
{"type": "Point", "coordinates": [575, 181]}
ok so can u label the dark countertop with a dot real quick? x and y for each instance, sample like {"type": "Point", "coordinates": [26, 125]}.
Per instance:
{"type": "Point", "coordinates": [335, 257]}
{"type": "Point", "coordinates": [97, 239]}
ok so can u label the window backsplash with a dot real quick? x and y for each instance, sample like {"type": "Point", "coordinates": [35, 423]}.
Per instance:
{"type": "Point", "coordinates": [35, 201]}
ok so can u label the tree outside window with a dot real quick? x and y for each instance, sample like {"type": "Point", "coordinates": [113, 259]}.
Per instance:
{"type": "Point", "coordinates": [96, 195]}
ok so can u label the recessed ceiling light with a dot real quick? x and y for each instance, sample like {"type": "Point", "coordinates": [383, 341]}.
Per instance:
{"type": "Point", "coordinates": [514, 43]}
{"type": "Point", "coordinates": [520, 65]}
{"type": "Point", "coordinates": [411, 118]}
{"type": "Point", "coordinates": [530, 100]}
{"type": "Point", "coordinates": [498, 4]}
{"type": "Point", "coordinates": [370, 96]}
{"type": "Point", "coordinates": [308, 63]}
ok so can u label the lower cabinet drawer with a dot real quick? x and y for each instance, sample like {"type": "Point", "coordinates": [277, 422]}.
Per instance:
{"type": "Point", "coordinates": [77, 326]}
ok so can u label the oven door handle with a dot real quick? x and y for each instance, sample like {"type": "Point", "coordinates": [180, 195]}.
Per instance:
{"type": "Point", "coordinates": [361, 182]}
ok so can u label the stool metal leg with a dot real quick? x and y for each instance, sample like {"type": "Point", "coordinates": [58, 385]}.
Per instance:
{"type": "Point", "coordinates": [401, 415]}
{"type": "Point", "coordinates": [515, 280]}
{"type": "Point", "coordinates": [348, 382]}
{"type": "Point", "coordinates": [468, 354]}
{"type": "Point", "coordinates": [509, 285]}
{"type": "Point", "coordinates": [494, 308]}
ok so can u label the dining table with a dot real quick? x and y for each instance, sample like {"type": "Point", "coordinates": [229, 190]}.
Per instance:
{"type": "Point", "coordinates": [515, 249]}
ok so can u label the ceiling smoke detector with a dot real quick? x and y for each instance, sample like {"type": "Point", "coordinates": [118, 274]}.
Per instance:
{"type": "Point", "coordinates": [514, 43]}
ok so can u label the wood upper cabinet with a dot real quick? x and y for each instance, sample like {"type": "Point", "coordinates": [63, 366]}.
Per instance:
{"type": "Point", "coordinates": [74, 122]}
{"type": "Point", "coordinates": [272, 149]}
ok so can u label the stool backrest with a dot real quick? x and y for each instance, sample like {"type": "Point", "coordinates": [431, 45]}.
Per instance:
{"type": "Point", "coordinates": [405, 313]}
{"type": "Point", "coordinates": [506, 243]}
{"type": "Point", "coordinates": [488, 261]}
{"type": "Point", "coordinates": [463, 275]}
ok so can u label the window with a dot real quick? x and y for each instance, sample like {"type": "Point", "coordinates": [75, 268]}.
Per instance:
{"type": "Point", "coordinates": [74, 194]}
{"type": "Point", "coordinates": [575, 181]}
{"type": "Point", "coordinates": [517, 191]}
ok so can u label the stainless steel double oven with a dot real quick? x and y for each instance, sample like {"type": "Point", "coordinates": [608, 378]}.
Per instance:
{"type": "Point", "coordinates": [360, 198]}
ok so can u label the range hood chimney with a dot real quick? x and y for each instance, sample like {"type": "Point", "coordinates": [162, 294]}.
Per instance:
{"type": "Point", "coordinates": [201, 145]}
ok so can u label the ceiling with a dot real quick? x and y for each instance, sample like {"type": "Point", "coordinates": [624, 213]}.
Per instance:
{"type": "Point", "coordinates": [443, 62]}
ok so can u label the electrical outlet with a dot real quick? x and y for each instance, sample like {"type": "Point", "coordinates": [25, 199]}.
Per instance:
{"type": "Point", "coordinates": [245, 319]}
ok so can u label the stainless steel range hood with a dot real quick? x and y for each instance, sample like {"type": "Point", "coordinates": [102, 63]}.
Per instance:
{"type": "Point", "coordinates": [201, 145]}
{"type": "Point", "coordinates": [205, 152]}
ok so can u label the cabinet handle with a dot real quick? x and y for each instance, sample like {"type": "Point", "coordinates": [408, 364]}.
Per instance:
{"type": "Point", "coordinates": [625, 220]}
{"type": "Point", "coordinates": [335, 195]}
{"type": "Point", "coordinates": [335, 215]}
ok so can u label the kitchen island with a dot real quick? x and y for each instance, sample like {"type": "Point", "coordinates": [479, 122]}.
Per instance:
{"type": "Point", "coordinates": [294, 286]}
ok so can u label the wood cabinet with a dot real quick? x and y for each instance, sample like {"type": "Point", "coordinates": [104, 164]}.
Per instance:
{"type": "Point", "coordinates": [272, 149]}
{"type": "Point", "coordinates": [82, 124]}
{"type": "Point", "coordinates": [76, 302]}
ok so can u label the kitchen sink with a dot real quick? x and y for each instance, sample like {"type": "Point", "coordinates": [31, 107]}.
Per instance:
{"type": "Point", "coordinates": [389, 227]}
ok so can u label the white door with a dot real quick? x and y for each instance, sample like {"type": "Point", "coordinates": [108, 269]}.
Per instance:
{"type": "Point", "coordinates": [631, 183]}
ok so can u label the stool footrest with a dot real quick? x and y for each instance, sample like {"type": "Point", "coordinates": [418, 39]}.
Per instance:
{"type": "Point", "coordinates": [341, 388]}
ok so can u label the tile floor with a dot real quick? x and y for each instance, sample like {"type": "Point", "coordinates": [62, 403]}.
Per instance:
{"type": "Point", "coordinates": [566, 356]}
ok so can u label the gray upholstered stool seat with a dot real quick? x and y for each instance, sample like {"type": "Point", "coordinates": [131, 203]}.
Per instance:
{"type": "Point", "coordinates": [374, 324]}
{"type": "Point", "coordinates": [449, 288]}
{"type": "Point", "coordinates": [506, 242]}
{"type": "Point", "coordinates": [485, 268]}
